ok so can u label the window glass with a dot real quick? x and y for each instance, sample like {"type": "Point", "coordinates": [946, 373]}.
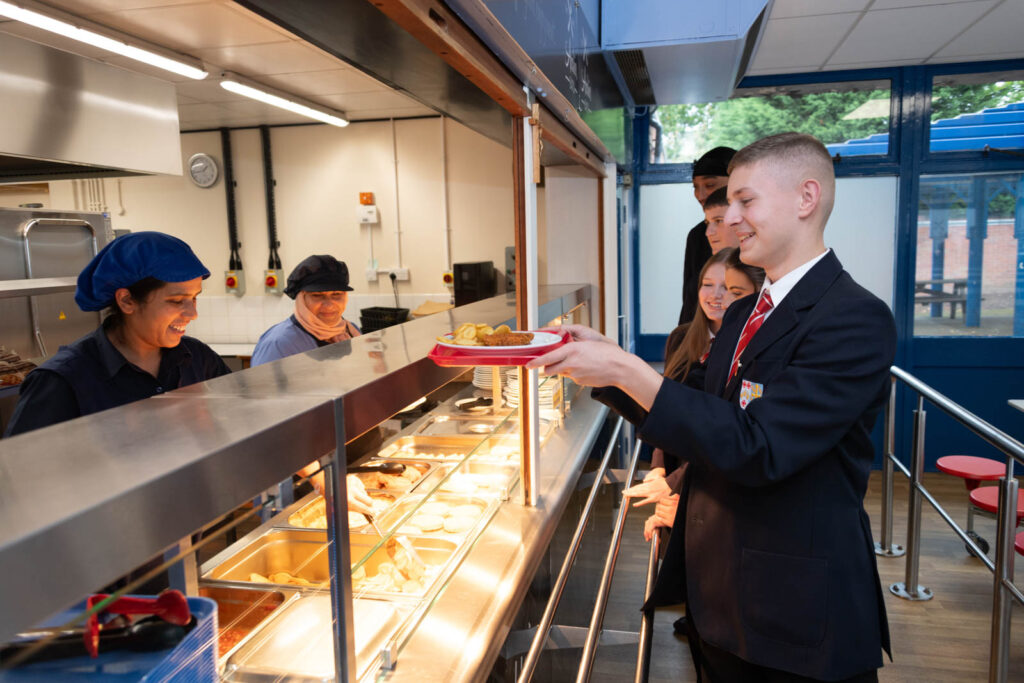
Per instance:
{"type": "Point", "coordinates": [970, 111]}
{"type": "Point", "coordinates": [852, 118]}
{"type": "Point", "coordinates": [968, 247]}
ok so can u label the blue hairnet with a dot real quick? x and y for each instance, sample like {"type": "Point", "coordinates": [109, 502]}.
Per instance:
{"type": "Point", "coordinates": [131, 258]}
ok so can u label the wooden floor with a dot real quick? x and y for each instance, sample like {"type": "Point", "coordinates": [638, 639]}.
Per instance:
{"type": "Point", "coordinates": [945, 639]}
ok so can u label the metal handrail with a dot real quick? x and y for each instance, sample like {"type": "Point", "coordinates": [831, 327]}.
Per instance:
{"type": "Point", "coordinates": [994, 436]}
{"type": "Point", "coordinates": [601, 602]}
{"type": "Point", "coordinates": [643, 654]}
{"type": "Point", "coordinates": [541, 636]}
{"type": "Point", "coordinates": [1004, 590]}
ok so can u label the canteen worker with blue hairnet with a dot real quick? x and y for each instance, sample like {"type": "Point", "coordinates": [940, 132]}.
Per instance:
{"type": "Point", "coordinates": [147, 282]}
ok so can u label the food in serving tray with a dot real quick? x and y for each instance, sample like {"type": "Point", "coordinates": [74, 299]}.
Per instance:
{"type": "Point", "coordinates": [314, 515]}
{"type": "Point", "coordinates": [13, 368]}
{"type": "Point", "coordinates": [287, 579]}
{"type": "Point", "coordinates": [438, 516]}
{"type": "Point", "coordinates": [403, 574]}
{"type": "Point", "coordinates": [398, 482]}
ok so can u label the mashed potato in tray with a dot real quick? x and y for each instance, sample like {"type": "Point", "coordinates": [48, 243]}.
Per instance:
{"type": "Point", "coordinates": [441, 517]}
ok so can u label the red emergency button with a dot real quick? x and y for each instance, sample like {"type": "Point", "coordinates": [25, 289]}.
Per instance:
{"type": "Point", "coordinates": [271, 281]}
{"type": "Point", "coordinates": [448, 278]}
{"type": "Point", "coordinates": [231, 282]}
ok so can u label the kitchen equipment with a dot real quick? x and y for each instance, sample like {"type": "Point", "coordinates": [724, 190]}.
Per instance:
{"type": "Point", "coordinates": [474, 281]}
{"type": "Point", "coordinates": [170, 606]}
{"type": "Point", "coordinates": [298, 643]}
{"type": "Point", "coordinates": [240, 611]}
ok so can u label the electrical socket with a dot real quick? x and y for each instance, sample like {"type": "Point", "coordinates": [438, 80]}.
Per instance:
{"type": "Point", "coordinates": [401, 274]}
{"type": "Point", "coordinates": [371, 275]}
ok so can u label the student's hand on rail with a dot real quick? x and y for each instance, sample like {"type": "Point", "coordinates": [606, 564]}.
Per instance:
{"type": "Point", "coordinates": [650, 528]}
{"type": "Point", "coordinates": [655, 473]}
{"type": "Point", "coordinates": [651, 491]}
{"type": "Point", "coordinates": [665, 510]}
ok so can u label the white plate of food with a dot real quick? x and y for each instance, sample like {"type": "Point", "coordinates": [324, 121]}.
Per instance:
{"type": "Point", "coordinates": [534, 341]}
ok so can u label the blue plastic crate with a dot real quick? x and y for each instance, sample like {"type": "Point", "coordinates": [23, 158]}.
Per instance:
{"type": "Point", "coordinates": [193, 660]}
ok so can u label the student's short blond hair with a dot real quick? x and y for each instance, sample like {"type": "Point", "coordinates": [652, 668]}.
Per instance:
{"type": "Point", "coordinates": [798, 155]}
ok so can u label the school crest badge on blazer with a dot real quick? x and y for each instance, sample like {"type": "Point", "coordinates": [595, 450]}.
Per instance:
{"type": "Point", "coordinates": [749, 391]}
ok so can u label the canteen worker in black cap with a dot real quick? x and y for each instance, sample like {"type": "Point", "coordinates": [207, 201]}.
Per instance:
{"type": "Point", "coordinates": [710, 172]}
{"type": "Point", "coordinates": [320, 288]}
{"type": "Point", "coordinates": [148, 283]}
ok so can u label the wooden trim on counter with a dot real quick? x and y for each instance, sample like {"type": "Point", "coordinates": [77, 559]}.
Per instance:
{"type": "Point", "coordinates": [437, 27]}
{"type": "Point", "coordinates": [520, 63]}
{"type": "Point", "coordinates": [555, 132]}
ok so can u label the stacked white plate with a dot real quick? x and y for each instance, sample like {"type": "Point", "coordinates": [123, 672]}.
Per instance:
{"type": "Point", "coordinates": [483, 376]}
{"type": "Point", "coordinates": [545, 398]}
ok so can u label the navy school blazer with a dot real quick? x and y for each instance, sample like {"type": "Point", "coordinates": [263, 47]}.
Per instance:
{"type": "Point", "coordinates": [771, 546]}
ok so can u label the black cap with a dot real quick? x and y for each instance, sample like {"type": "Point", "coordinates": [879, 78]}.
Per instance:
{"type": "Point", "coordinates": [714, 162]}
{"type": "Point", "coordinates": [320, 273]}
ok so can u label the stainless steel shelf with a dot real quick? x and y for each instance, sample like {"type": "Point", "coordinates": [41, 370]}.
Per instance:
{"type": "Point", "coordinates": [36, 286]}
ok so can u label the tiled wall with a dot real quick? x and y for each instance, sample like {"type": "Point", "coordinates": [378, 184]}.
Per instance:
{"type": "Point", "coordinates": [241, 320]}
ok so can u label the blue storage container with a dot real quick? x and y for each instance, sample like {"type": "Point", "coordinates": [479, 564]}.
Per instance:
{"type": "Point", "coordinates": [193, 660]}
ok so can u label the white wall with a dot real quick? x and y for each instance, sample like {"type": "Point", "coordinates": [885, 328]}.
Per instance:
{"type": "Point", "coordinates": [320, 171]}
{"type": "Point", "coordinates": [667, 212]}
{"type": "Point", "coordinates": [861, 231]}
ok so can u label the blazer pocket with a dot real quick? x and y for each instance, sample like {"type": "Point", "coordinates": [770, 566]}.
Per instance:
{"type": "Point", "coordinates": [785, 597]}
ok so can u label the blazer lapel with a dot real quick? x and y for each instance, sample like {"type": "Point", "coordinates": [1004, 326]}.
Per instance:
{"type": "Point", "coordinates": [807, 292]}
{"type": "Point", "coordinates": [725, 343]}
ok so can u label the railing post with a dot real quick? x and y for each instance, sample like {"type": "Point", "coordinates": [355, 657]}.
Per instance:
{"type": "Point", "coordinates": [886, 548]}
{"type": "Point", "coordinates": [909, 589]}
{"type": "Point", "coordinates": [999, 653]}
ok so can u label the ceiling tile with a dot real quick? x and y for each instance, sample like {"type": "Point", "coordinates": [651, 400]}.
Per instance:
{"type": "Point", "coordinates": [783, 9]}
{"type": "Point", "coordinates": [872, 65]}
{"type": "Point", "coordinates": [353, 102]}
{"type": "Point", "coordinates": [268, 58]}
{"type": "Point", "coordinates": [191, 27]}
{"type": "Point", "coordinates": [999, 31]}
{"type": "Point", "coordinates": [801, 41]}
{"type": "Point", "coordinates": [403, 113]}
{"type": "Point", "coordinates": [207, 90]}
{"type": "Point", "coordinates": [84, 8]}
{"type": "Point", "coordinates": [979, 57]}
{"type": "Point", "coordinates": [315, 83]}
{"type": "Point", "coordinates": [887, 35]}
{"type": "Point", "coordinates": [898, 4]}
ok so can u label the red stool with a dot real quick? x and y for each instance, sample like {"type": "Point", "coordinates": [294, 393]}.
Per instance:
{"type": "Point", "coordinates": [1019, 543]}
{"type": "Point", "coordinates": [986, 498]}
{"type": "Point", "coordinates": [973, 470]}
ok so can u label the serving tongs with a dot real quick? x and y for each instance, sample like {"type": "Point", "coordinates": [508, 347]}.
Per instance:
{"type": "Point", "coordinates": [381, 466]}
{"type": "Point", "coordinates": [171, 606]}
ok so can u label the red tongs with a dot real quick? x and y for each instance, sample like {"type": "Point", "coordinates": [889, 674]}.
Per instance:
{"type": "Point", "coordinates": [171, 606]}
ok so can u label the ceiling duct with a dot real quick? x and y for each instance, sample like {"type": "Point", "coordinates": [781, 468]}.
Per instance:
{"type": "Point", "coordinates": [633, 68]}
{"type": "Point", "coordinates": [693, 51]}
{"type": "Point", "coordinates": [65, 116]}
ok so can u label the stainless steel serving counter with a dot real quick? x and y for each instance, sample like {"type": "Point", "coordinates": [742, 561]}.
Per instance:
{"type": "Point", "coordinates": [461, 635]}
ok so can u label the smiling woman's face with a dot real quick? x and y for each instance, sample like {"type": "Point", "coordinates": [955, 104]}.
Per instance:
{"type": "Point", "coordinates": [328, 307]}
{"type": "Point", "coordinates": [161, 319]}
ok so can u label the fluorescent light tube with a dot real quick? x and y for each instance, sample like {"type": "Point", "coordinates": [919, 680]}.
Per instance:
{"type": "Point", "coordinates": [179, 64]}
{"type": "Point", "coordinates": [241, 86]}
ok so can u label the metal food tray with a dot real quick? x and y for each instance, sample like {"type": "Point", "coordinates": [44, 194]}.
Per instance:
{"type": "Point", "coordinates": [242, 608]}
{"type": "Point", "coordinates": [426, 468]}
{"type": "Point", "coordinates": [399, 510]}
{"type": "Point", "coordinates": [298, 643]}
{"type": "Point", "coordinates": [468, 425]}
{"type": "Point", "coordinates": [291, 517]}
{"type": "Point", "coordinates": [304, 554]}
{"type": "Point", "coordinates": [453, 448]}
{"type": "Point", "coordinates": [492, 480]}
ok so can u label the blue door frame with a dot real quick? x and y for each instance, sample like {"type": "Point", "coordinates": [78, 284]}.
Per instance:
{"type": "Point", "coordinates": [980, 373]}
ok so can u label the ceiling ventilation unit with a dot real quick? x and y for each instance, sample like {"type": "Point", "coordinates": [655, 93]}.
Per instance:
{"type": "Point", "coordinates": [690, 51]}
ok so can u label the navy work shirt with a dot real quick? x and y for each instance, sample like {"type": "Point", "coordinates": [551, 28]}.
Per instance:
{"type": "Point", "coordinates": [90, 375]}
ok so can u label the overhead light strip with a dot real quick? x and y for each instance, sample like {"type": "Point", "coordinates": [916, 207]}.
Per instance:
{"type": "Point", "coordinates": [239, 85]}
{"type": "Point", "coordinates": [68, 26]}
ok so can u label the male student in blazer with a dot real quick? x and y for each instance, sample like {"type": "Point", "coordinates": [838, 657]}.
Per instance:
{"type": "Point", "coordinates": [771, 548]}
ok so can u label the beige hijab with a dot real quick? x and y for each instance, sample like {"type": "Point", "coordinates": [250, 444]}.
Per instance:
{"type": "Point", "coordinates": [317, 327]}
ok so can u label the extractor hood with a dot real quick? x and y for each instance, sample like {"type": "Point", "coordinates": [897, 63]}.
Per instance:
{"type": "Point", "coordinates": [605, 53]}
{"type": "Point", "coordinates": [65, 116]}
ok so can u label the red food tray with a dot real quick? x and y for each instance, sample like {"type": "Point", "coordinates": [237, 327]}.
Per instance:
{"type": "Point", "coordinates": [472, 356]}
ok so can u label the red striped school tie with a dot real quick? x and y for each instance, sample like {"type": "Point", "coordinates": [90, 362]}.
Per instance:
{"type": "Point", "coordinates": [764, 304]}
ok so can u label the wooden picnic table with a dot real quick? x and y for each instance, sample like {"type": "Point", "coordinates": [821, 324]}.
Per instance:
{"type": "Point", "coordinates": [925, 293]}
